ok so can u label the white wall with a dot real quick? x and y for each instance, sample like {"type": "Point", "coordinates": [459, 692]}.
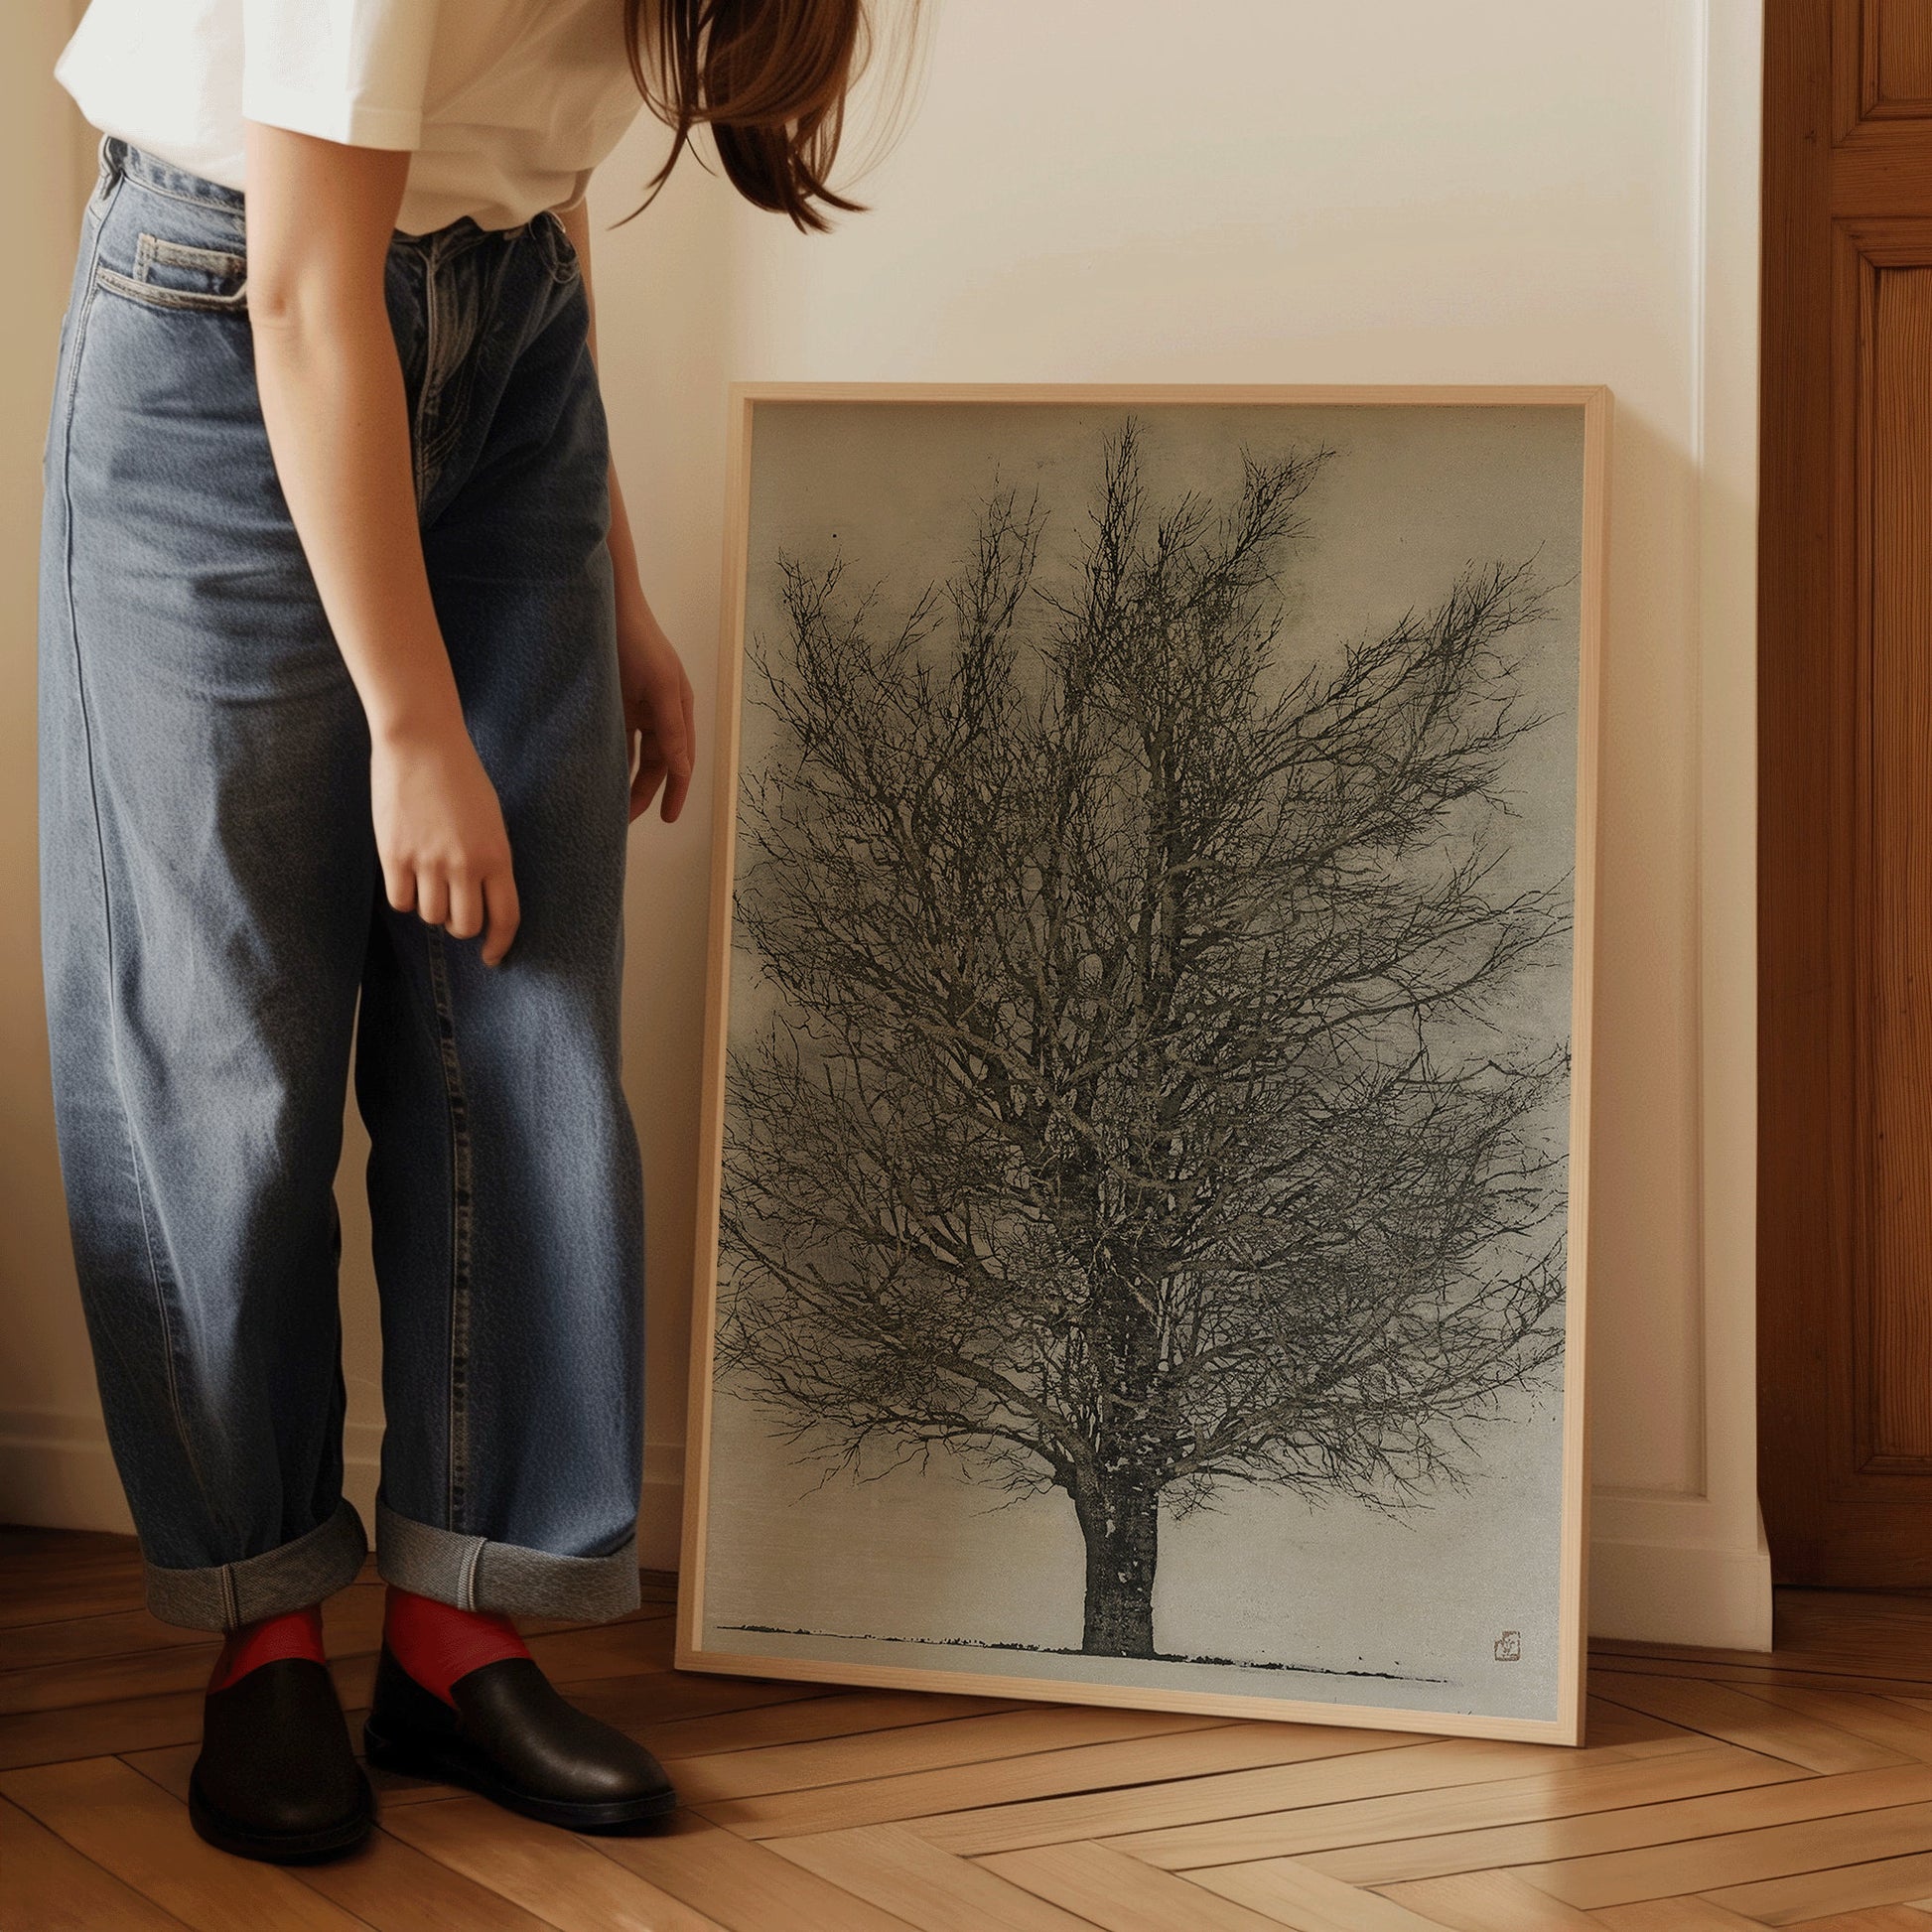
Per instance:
{"type": "Point", "coordinates": [54, 1465]}
{"type": "Point", "coordinates": [1292, 190]}
{"type": "Point", "coordinates": [1257, 190]}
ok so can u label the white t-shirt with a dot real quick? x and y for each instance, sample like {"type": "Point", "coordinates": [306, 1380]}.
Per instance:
{"type": "Point", "coordinates": [507, 104]}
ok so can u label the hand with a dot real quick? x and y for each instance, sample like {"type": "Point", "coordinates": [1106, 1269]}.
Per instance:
{"type": "Point", "coordinates": [657, 709]}
{"type": "Point", "coordinates": [439, 832]}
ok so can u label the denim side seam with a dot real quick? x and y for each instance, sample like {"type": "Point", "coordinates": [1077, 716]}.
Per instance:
{"type": "Point", "coordinates": [460, 1229]}
{"type": "Point", "coordinates": [426, 395]}
{"type": "Point", "coordinates": [451, 328]}
{"type": "Point", "coordinates": [99, 204]}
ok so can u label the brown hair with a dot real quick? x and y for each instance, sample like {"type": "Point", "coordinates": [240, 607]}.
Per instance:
{"type": "Point", "coordinates": [768, 77]}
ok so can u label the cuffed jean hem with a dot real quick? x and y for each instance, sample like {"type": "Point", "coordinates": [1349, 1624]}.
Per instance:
{"type": "Point", "coordinates": [291, 1576]}
{"type": "Point", "coordinates": [474, 1573]}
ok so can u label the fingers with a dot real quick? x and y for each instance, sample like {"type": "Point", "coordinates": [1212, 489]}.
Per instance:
{"type": "Point", "coordinates": [399, 886]}
{"type": "Point", "coordinates": [463, 901]}
{"type": "Point", "coordinates": [433, 897]}
{"type": "Point", "coordinates": [667, 740]}
{"type": "Point", "coordinates": [465, 918]}
{"type": "Point", "coordinates": [505, 914]}
{"type": "Point", "coordinates": [681, 765]}
{"type": "Point", "coordinates": [674, 792]}
{"type": "Point", "coordinates": [649, 776]}
{"type": "Point", "coordinates": [441, 840]}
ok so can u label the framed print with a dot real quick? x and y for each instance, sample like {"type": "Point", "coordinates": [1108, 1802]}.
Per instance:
{"type": "Point", "coordinates": [1142, 1228]}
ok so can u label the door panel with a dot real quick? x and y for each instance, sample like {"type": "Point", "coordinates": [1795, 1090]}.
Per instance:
{"type": "Point", "coordinates": [1894, 423]}
{"type": "Point", "coordinates": [1844, 1219]}
{"type": "Point", "coordinates": [1895, 68]}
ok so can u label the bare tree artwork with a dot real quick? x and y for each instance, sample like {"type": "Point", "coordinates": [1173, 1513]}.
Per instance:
{"type": "Point", "coordinates": [1135, 1115]}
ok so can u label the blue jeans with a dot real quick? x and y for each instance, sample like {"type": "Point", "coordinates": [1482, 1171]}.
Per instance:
{"type": "Point", "coordinates": [215, 937]}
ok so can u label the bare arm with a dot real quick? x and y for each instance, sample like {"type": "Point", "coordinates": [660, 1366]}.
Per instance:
{"type": "Point", "coordinates": [657, 701]}
{"type": "Point", "coordinates": [320, 220]}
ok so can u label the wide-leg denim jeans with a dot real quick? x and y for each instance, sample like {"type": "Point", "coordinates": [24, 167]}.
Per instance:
{"type": "Point", "coordinates": [215, 935]}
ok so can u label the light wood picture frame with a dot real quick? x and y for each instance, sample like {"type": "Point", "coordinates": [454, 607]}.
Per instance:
{"type": "Point", "coordinates": [1143, 1188]}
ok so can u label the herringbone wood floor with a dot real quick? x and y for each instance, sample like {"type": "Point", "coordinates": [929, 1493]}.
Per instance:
{"type": "Point", "coordinates": [1714, 1791]}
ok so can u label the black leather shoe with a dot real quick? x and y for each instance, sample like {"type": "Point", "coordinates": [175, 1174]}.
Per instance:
{"type": "Point", "coordinates": [512, 1739]}
{"type": "Point", "coordinates": [276, 1779]}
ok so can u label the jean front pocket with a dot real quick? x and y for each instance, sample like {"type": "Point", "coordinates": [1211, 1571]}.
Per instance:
{"type": "Point", "coordinates": [177, 275]}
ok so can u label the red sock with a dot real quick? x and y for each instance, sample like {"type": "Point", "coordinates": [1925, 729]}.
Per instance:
{"type": "Point", "coordinates": [295, 1633]}
{"type": "Point", "coordinates": [436, 1643]}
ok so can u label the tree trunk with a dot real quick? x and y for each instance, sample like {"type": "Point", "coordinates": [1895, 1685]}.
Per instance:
{"type": "Point", "coordinates": [1122, 1528]}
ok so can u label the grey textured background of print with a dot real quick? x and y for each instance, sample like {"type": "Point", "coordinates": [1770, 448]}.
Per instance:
{"type": "Point", "coordinates": [1417, 1601]}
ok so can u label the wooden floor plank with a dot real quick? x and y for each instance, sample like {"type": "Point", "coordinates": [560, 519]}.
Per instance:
{"type": "Point", "coordinates": [1794, 1790]}
{"type": "Point", "coordinates": [1712, 1864]}
{"type": "Point", "coordinates": [1735, 1715]}
{"type": "Point", "coordinates": [1899, 1726]}
{"type": "Point", "coordinates": [45, 1885]}
{"type": "Point", "coordinates": [68, 1639]}
{"type": "Point", "coordinates": [1120, 1894]}
{"type": "Point", "coordinates": [1674, 1916]}
{"type": "Point", "coordinates": [1553, 1833]}
{"type": "Point", "coordinates": [111, 1679]}
{"type": "Point", "coordinates": [564, 1880]}
{"type": "Point", "coordinates": [1209, 1799]}
{"type": "Point", "coordinates": [929, 1889]}
{"type": "Point", "coordinates": [1296, 1894]}
{"type": "Point", "coordinates": [607, 1650]}
{"type": "Point", "coordinates": [1035, 1728]}
{"type": "Point", "coordinates": [757, 1726]}
{"type": "Point", "coordinates": [1872, 1682]}
{"type": "Point", "coordinates": [99, 1729]}
{"type": "Point", "coordinates": [745, 1884]}
{"type": "Point", "coordinates": [1857, 1627]}
{"type": "Point", "coordinates": [1489, 1902]}
{"type": "Point", "coordinates": [1606, 1724]}
{"type": "Point", "coordinates": [48, 1575]}
{"type": "Point", "coordinates": [634, 1703]}
{"type": "Point", "coordinates": [1183, 1755]}
{"type": "Point", "coordinates": [1873, 1918]}
{"type": "Point", "coordinates": [132, 1828]}
{"type": "Point", "coordinates": [1401, 1834]}
{"type": "Point", "coordinates": [1837, 1888]}
{"type": "Point", "coordinates": [392, 1887]}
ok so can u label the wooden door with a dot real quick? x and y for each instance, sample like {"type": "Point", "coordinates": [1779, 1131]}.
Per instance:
{"type": "Point", "coordinates": [1845, 867]}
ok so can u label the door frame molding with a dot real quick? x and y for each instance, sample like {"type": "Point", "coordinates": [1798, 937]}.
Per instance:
{"type": "Point", "coordinates": [1689, 1565]}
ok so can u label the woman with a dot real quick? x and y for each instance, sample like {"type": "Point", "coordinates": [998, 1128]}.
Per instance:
{"type": "Point", "coordinates": [347, 676]}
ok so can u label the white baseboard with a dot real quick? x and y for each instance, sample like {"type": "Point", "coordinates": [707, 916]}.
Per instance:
{"type": "Point", "coordinates": [55, 1472]}
{"type": "Point", "coordinates": [661, 1510]}
{"type": "Point", "coordinates": [1711, 1598]}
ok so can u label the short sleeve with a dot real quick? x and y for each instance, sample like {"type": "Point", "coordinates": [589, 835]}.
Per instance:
{"type": "Point", "coordinates": [348, 71]}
